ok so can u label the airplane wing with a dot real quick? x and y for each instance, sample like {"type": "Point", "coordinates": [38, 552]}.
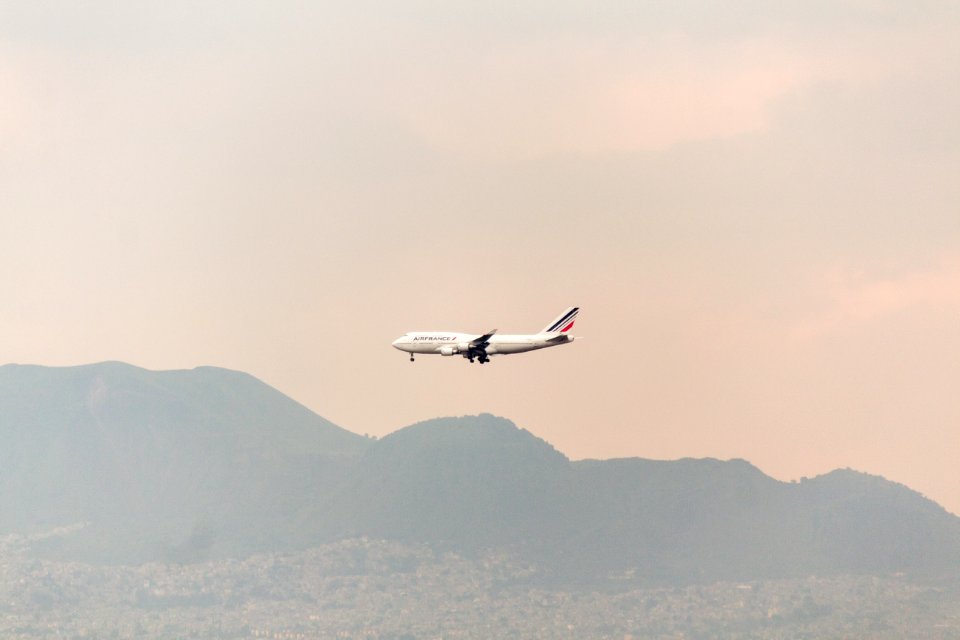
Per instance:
{"type": "Point", "coordinates": [483, 340]}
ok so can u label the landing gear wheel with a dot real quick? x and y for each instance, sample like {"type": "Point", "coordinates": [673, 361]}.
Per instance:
{"type": "Point", "coordinates": [411, 357]}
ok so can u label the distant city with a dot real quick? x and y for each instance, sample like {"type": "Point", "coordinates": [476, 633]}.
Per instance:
{"type": "Point", "coordinates": [366, 589]}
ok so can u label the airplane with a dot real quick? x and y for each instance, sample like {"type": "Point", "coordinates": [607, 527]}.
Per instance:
{"type": "Point", "coordinates": [481, 347]}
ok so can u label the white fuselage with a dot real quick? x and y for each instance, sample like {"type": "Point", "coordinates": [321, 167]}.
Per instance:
{"type": "Point", "coordinates": [449, 343]}
{"type": "Point", "coordinates": [480, 347]}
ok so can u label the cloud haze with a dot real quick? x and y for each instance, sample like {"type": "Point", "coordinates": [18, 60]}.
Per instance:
{"type": "Point", "coordinates": [756, 206]}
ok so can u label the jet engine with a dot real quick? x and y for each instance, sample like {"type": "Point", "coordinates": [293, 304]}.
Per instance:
{"type": "Point", "coordinates": [448, 350]}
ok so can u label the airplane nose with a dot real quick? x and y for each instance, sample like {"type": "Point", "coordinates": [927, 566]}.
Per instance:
{"type": "Point", "coordinates": [396, 343]}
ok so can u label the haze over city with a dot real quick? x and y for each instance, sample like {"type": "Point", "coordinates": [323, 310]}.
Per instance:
{"type": "Point", "coordinates": [755, 206]}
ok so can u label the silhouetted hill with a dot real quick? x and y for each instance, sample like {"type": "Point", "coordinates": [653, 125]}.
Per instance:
{"type": "Point", "coordinates": [179, 462]}
{"type": "Point", "coordinates": [706, 520]}
{"type": "Point", "coordinates": [476, 481]}
{"type": "Point", "coordinates": [863, 523]}
{"type": "Point", "coordinates": [185, 465]}
{"type": "Point", "coordinates": [480, 482]}
{"type": "Point", "coordinates": [697, 519]}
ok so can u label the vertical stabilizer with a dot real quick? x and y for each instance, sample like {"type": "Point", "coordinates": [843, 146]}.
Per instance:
{"type": "Point", "coordinates": [563, 322]}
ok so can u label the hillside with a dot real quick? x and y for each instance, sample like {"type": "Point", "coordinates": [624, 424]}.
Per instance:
{"type": "Point", "coordinates": [161, 464]}
{"type": "Point", "coordinates": [481, 482]}
{"type": "Point", "coordinates": [189, 465]}
{"type": "Point", "coordinates": [472, 482]}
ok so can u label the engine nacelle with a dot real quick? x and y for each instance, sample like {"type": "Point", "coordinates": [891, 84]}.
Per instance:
{"type": "Point", "coordinates": [449, 350]}
{"type": "Point", "coordinates": [463, 347]}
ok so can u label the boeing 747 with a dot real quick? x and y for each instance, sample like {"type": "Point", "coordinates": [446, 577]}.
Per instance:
{"type": "Point", "coordinates": [481, 347]}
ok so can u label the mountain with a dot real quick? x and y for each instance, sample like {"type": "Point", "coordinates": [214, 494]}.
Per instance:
{"type": "Point", "coordinates": [474, 482]}
{"type": "Point", "coordinates": [480, 482]}
{"type": "Point", "coordinates": [209, 463]}
{"type": "Point", "coordinates": [171, 463]}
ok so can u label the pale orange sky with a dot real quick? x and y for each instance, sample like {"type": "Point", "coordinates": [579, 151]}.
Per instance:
{"type": "Point", "coordinates": [755, 205]}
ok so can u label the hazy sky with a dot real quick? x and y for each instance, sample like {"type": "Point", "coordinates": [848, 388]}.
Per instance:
{"type": "Point", "coordinates": [755, 204]}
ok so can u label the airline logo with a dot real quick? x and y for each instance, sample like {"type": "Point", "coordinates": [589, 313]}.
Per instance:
{"type": "Point", "coordinates": [434, 338]}
{"type": "Point", "coordinates": [565, 322]}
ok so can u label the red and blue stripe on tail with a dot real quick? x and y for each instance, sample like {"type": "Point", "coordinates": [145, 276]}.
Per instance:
{"type": "Point", "coordinates": [564, 321]}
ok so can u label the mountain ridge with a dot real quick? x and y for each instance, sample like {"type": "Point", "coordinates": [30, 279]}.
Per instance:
{"type": "Point", "coordinates": [208, 462]}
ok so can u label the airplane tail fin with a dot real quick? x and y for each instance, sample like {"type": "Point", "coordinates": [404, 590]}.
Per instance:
{"type": "Point", "coordinates": [563, 323]}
